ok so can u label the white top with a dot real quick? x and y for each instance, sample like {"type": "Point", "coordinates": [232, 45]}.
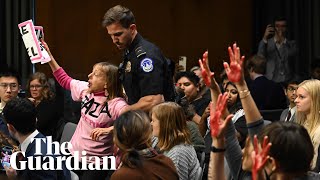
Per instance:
{"type": "Point", "coordinates": [27, 141]}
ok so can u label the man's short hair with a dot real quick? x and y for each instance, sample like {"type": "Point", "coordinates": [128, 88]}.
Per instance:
{"type": "Point", "coordinates": [21, 114]}
{"type": "Point", "coordinates": [119, 14]}
{"type": "Point", "coordinates": [257, 63]}
{"type": "Point", "coordinates": [279, 18]}
{"type": "Point", "coordinates": [293, 81]}
{"type": "Point", "coordinates": [10, 73]}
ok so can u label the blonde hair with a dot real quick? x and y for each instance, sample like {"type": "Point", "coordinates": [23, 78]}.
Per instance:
{"type": "Point", "coordinates": [312, 122]}
{"type": "Point", "coordinates": [173, 125]}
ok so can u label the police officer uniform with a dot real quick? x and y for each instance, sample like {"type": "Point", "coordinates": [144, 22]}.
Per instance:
{"type": "Point", "coordinates": [144, 70]}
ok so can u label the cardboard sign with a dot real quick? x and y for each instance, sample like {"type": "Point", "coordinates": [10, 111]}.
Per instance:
{"type": "Point", "coordinates": [39, 32]}
{"type": "Point", "coordinates": [32, 43]}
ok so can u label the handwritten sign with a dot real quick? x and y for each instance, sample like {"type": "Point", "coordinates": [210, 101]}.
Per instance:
{"type": "Point", "coordinates": [31, 41]}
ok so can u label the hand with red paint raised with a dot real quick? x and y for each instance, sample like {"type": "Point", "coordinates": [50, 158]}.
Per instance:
{"type": "Point", "coordinates": [259, 155]}
{"type": "Point", "coordinates": [207, 75]}
{"type": "Point", "coordinates": [218, 125]}
{"type": "Point", "coordinates": [234, 70]}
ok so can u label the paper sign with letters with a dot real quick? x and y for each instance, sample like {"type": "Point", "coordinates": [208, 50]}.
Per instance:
{"type": "Point", "coordinates": [39, 32]}
{"type": "Point", "coordinates": [31, 41]}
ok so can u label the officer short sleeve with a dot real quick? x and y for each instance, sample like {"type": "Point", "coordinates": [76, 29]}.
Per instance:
{"type": "Point", "coordinates": [151, 76]}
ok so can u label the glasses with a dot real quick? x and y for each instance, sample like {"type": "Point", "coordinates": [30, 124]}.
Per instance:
{"type": "Point", "coordinates": [13, 86]}
{"type": "Point", "coordinates": [291, 89]}
{"type": "Point", "coordinates": [35, 86]}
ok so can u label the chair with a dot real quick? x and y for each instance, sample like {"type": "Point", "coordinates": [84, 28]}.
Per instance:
{"type": "Point", "coordinates": [68, 132]}
{"type": "Point", "coordinates": [271, 115]}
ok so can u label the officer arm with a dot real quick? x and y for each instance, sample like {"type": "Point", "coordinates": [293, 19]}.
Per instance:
{"type": "Point", "coordinates": [146, 103]}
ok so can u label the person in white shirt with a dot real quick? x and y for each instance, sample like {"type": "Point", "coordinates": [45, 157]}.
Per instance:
{"type": "Point", "coordinates": [288, 115]}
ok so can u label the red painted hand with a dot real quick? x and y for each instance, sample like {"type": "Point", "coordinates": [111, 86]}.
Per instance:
{"type": "Point", "coordinates": [205, 70]}
{"type": "Point", "coordinates": [259, 158]}
{"type": "Point", "coordinates": [217, 125]}
{"type": "Point", "coordinates": [234, 71]}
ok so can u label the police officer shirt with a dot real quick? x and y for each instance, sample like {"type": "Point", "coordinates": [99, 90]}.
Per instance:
{"type": "Point", "coordinates": [142, 72]}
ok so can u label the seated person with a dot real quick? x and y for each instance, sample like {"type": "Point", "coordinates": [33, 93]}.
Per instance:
{"type": "Point", "coordinates": [132, 134]}
{"type": "Point", "coordinates": [288, 115]}
{"type": "Point", "coordinates": [188, 83]}
{"type": "Point", "coordinates": [20, 115]}
{"type": "Point", "coordinates": [170, 127]}
{"type": "Point", "coordinates": [266, 93]}
{"type": "Point", "coordinates": [48, 104]}
{"type": "Point", "coordinates": [9, 88]}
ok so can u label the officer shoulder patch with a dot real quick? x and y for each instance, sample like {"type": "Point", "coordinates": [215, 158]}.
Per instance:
{"type": "Point", "coordinates": [140, 51]}
{"type": "Point", "coordinates": [146, 65]}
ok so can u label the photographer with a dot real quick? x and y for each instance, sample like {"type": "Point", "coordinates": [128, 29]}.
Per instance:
{"type": "Point", "coordinates": [279, 51]}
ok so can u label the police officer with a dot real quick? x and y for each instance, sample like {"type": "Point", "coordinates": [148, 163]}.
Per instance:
{"type": "Point", "coordinates": [144, 70]}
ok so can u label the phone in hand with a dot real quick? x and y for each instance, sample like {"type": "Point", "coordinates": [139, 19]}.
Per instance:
{"type": "Point", "coordinates": [272, 31]}
{"type": "Point", "coordinates": [6, 152]}
{"type": "Point", "coordinates": [183, 62]}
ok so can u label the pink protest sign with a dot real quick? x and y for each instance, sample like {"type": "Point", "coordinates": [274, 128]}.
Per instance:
{"type": "Point", "coordinates": [31, 41]}
{"type": "Point", "coordinates": [39, 32]}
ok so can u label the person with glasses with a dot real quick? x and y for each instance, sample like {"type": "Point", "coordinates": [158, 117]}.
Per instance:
{"type": "Point", "coordinates": [48, 104]}
{"type": "Point", "coordinates": [9, 88]}
{"type": "Point", "coordinates": [288, 115]}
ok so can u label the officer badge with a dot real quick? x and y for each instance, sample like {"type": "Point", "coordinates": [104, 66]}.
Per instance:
{"type": "Point", "coordinates": [146, 65]}
{"type": "Point", "coordinates": [128, 67]}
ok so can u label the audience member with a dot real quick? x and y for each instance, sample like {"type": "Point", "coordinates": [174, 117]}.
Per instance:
{"type": "Point", "coordinates": [144, 70]}
{"type": "Point", "coordinates": [48, 104]}
{"type": "Point", "coordinates": [279, 51]}
{"type": "Point", "coordinates": [234, 107]}
{"type": "Point", "coordinates": [132, 134]}
{"type": "Point", "coordinates": [188, 83]}
{"type": "Point", "coordinates": [289, 114]}
{"type": "Point", "coordinates": [308, 114]}
{"type": "Point", "coordinates": [20, 115]}
{"type": "Point", "coordinates": [9, 88]}
{"type": "Point", "coordinates": [266, 93]}
{"type": "Point", "coordinates": [170, 127]}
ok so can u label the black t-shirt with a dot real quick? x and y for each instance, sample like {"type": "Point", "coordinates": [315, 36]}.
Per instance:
{"type": "Point", "coordinates": [144, 71]}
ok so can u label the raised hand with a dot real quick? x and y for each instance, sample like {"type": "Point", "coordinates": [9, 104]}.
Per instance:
{"type": "Point", "coordinates": [45, 46]}
{"type": "Point", "coordinates": [259, 155]}
{"type": "Point", "coordinates": [205, 70]}
{"type": "Point", "coordinates": [234, 70]}
{"type": "Point", "coordinates": [217, 125]}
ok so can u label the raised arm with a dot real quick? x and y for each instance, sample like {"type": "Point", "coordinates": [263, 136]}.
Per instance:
{"type": "Point", "coordinates": [208, 77]}
{"type": "Point", "coordinates": [60, 75]}
{"type": "Point", "coordinates": [235, 73]}
{"type": "Point", "coordinates": [218, 126]}
{"type": "Point", "coordinates": [53, 63]}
